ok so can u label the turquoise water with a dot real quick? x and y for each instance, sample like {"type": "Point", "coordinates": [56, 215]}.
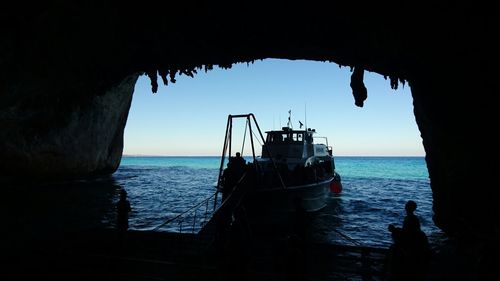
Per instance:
{"type": "Point", "coordinates": [381, 167]}
{"type": "Point", "coordinates": [403, 168]}
{"type": "Point", "coordinates": [375, 190]}
{"type": "Point", "coordinates": [209, 162]}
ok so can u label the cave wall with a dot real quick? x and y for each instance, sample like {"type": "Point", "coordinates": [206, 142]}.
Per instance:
{"type": "Point", "coordinates": [64, 138]}
{"type": "Point", "coordinates": [456, 124]}
{"type": "Point", "coordinates": [60, 61]}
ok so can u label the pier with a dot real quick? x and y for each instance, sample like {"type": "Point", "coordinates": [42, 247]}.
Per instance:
{"type": "Point", "coordinates": [145, 255]}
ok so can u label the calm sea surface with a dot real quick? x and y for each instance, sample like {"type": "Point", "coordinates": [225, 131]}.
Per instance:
{"type": "Point", "coordinates": [375, 190]}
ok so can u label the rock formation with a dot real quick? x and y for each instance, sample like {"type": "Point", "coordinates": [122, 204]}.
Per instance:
{"type": "Point", "coordinates": [54, 138]}
{"type": "Point", "coordinates": [67, 73]}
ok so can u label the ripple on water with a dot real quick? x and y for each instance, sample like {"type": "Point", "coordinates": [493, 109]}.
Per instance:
{"type": "Point", "coordinates": [371, 199]}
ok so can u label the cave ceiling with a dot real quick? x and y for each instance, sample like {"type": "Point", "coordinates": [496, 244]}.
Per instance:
{"type": "Point", "coordinates": [103, 41]}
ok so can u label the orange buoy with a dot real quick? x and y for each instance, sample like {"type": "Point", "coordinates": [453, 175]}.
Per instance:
{"type": "Point", "coordinates": [336, 187]}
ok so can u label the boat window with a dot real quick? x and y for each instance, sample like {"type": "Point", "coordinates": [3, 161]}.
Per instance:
{"type": "Point", "coordinates": [298, 137]}
{"type": "Point", "coordinates": [280, 137]}
{"type": "Point", "coordinates": [288, 137]}
{"type": "Point", "coordinates": [275, 138]}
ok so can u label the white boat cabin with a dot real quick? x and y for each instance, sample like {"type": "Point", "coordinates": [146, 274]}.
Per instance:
{"type": "Point", "coordinates": [290, 143]}
{"type": "Point", "coordinates": [294, 147]}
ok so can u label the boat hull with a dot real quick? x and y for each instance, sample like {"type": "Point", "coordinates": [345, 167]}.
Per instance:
{"type": "Point", "coordinates": [281, 205]}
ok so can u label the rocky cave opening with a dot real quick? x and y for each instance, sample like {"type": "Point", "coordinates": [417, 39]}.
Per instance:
{"type": "Point", "coordinates": [67, 74]}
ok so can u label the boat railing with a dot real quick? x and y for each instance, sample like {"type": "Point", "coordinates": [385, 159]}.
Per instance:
{"type": "Point", "coordinates": [194, 218]}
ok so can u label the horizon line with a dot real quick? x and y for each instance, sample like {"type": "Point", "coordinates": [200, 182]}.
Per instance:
{"type": "Point", "coordinates": [154, 155]}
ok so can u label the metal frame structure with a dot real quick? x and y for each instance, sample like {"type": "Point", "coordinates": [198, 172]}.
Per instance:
{"type": "Point", "coordinates": [228, 145]}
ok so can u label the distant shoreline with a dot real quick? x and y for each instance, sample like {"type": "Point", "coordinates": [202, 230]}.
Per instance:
{"type": "Point", "coordinates": [211, 156]}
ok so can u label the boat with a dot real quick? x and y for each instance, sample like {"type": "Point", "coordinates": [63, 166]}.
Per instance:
{"type": "Point", "coordinates": [294, 172]}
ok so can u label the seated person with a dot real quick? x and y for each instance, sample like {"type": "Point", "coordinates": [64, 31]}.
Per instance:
{"type": "Point", "coordinates": [410, 252]}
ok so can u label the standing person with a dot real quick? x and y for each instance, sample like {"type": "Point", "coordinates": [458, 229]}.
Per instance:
{"type": "Point", "coordinates": [123, 209]}
{"type": "Point", "coordinates": [239, 161]}
{"type": "Point", "coordinates": [236, 167]}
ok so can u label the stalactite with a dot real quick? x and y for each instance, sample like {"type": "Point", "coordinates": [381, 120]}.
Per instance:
{"type": "Point", "coordinates": [394, 82]}
{"type": "Point", "coordinates": [163, 74]}
{"type": "Point", "coordinates": [225, 65]}
{"type": "Point", "coordinates": [153, 77]}
{"type": "Point", "coordinates": [186, 72]}
{"type": "Point", "coordinates": [172, 75]}
{"type": "Point", "coordinates": [358, 87]}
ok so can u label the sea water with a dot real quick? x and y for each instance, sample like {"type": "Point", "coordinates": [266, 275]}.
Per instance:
{"type": "Point", "coordinates": [375, 190]}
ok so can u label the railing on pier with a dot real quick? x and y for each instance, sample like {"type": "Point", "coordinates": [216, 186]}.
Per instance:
{"type": "Point", "coordinates": [194, 218]}
{"type": "Point", "coordinates": [356, 259]}
{"type": "Point", "coordinates": [363, 262]}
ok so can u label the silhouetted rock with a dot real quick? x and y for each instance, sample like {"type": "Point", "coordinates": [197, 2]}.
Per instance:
{"type": "Point", "coordinates": [52, 138]}
{"type": "Point", "coordinates": [58, 62]}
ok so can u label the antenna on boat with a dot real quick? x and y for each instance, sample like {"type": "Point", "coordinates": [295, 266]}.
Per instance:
{"type": "Point", "coordinates": [289, 124]}
{"type": "Point", "coordinates": [305, 115]}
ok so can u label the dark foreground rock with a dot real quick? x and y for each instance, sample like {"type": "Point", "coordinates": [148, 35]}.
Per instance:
{"type": "Point", "coordinates": [142, 255]}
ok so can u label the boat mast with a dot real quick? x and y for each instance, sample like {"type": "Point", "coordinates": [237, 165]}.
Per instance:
{"type": "Point", "coordinates": [305, 115]}
{"type": "Point", "coordinates": [227, 141]}
{"type": "Point", "coordinates": [289, 125]}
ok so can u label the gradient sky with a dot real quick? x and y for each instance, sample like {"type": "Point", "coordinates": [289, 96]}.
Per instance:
{"type": "Point", "coordinates": [188, 118]}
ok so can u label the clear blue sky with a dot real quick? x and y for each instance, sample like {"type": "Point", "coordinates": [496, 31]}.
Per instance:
{"type": "Point", "coordinates": [188, 118]}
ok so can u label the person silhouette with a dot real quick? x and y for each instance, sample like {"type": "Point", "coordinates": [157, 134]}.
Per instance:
{"type": "Point", "coordinates": [410, 252]}
{"type": "Point", "coordinates": [238, 161]}
{"type": "Point", "coordinates": [236, 167]}
{"type": "Point", "coordinates": [410, 221]}
{"type": "Point", "coordinates": [123, 209]}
